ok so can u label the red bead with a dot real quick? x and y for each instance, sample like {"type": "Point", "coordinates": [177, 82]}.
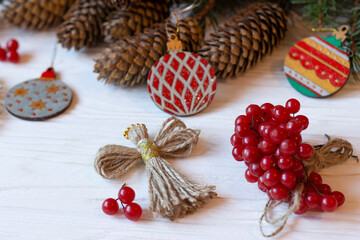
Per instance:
{"type": "Point", "coordinates": [250, 154]}
{"type": "Point", "coordinates": [329, 203]}
{"type": "Point", "coordinates": [253, 110]}
{"type": "Point", "coordinates": [2, 55]}
{"type": "Point", "coordinates": [235, 140]}
{"type": "Point", "coordinates": [110, 206]}
{"type": "Point", "coordinates": [339, 197]}
{"type": "Point", "coordinates": [237, 153]}
{"type": "Point", "coordinates": [288, 179]}
{"type": "Point", "coordinates": [268, 162]}
{"type": "Point", "coordinates": [126, 195]}
{"type": "Point", "coordinates": [280, 114]}
{"type": "Point", "coordinates": [279, 192]}
{"type": "Point", "coordinates": [249, 177]}
{"type": "Point", "coordinates": [288, 147]}
{"type": "Point", "coordinates": [325, 189]}
{"type": "Point", "coordinates": [133, 211]}
{"type": "Point", "coordinates": [286, 162]}
{"type": "Point", "coordinates": [13, 56]}
{"type": "Point", "coordinates": [266, 146]}
{"type": "Point", "coordinates": [271, 177]}
{"type": "Point", "coordinates": [242, 119]}
{"type": "Point", "coordinates": [250, 140]}
{"type": "Point", "coordinates": [305, 151]}
{"type": "Point", "coordinates": [292, 105]}
{"type": "Point", "coordinates": [315, 178]}
{"type": "Point", "coordinates": [277, 135]}
{"type": "Point", "coordinates": [256, 170]}
{"type": "Point", "coordinates": [12, 45]}
{"type": "Point", "coordinates": [303, 120]}
{"type": "Point", "coordinates": [313, 200]}
{"type": "Point", "coordinates": [242, 130]}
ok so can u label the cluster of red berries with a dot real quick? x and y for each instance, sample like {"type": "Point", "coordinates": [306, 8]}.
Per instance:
{"type": "Point", "coordinates": [10, 53]}
{"type": "Point", "coordinates": [132, 211]}
{"type": "Point", "coordinates": [268, 139]}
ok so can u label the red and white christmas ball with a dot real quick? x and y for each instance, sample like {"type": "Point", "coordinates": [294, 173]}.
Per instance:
{"type": "Point", "coordinates": [182, 83]}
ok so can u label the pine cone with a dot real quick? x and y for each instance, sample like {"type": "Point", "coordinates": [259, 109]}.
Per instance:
{"type": "Point", "coordinates": [135, 18]}
{"type": "Point", "coordinates": [83, 24]}
{"type": "Point", "coordinates": [245, 39]}
{"type": "Point", "coordinates": [128, 62]}
{"type": "Point", "coordinates": [35, 14]}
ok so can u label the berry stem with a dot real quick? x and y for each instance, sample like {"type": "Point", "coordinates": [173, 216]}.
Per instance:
{"type": "Point", "coordinates": [253, 126]}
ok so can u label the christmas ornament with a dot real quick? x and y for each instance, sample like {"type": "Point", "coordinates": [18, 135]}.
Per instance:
{"type": "Point", "coordinates": [39, 99]}
{"type": "Point", "coordinates": [171, 195]}
{"type": "Point", "coordinates": [318, 66]}
{"type": "Point", "coordinates": [132, 211]}
{"type": "Point", "coordinates": [35, 14]}
{"type": "Point", "coordinates": [268, 140]}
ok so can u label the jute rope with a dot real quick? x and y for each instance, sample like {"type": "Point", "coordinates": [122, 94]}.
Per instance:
{"type": "Point", "coordinates": [335, 151]}
{"type": "Point", "coordinates": [171, 195]}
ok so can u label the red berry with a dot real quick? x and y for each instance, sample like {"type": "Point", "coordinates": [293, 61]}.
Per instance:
{"type": "Point", "coordinates": [302, 208]}
{"type": "Point", "coordinates": [12, 45]}
{"type": "Point", "coordinates": [313, 200]}
{"type": "Point", "coordinates": [126, 195]}
{"type": "Point", "coordinates": [250, 154]}
{"type": "Point", "coordinates": [280, 114]}
{"type": "Point", "coordinates": [266, 146]}
{"type": "Point", "coordinates": [279, 192]}
{"type": "Point", "coordinates": [242, 130]}
{"type": "Point", "coordinates": [265, 129]}
{"type": "Point", "coordinates": [256, 170]}
{"type": "Point", "coordinates": [235, 140]}
{"type": "Point", "coordinates": [253, 110]}
{"type": "Point", "coordinates": [2, 55]}
{"type": "Point", "coordinates": [339, 197]}
{"type": "Point", "coordinates": [277, 135]}
{"type": "Point", "coordinates": [329, 203]}
{"type": "Point", "coordinates": [310, 188]}
{"type": "Point", "coordinates": [297, 138]}
{"type": "Point", "coordinates": [293, 127]}
{"type": "Point", "coordinates": [286, 162]}
{"type": "Point", "coordinates": [242, 119]}
{"type": "Point", "coordinates": [268, 162]}
{"type": "Point", "coordinates": [288, 147]}
{"type": "Point", "coordinates": [315, 178]}
{"type": "Point", "coordinates": [237, 153]}
{"type": "Point", "coordinates": [271, 177]}
{"type": "Point", "coordinates": [133, 211]}
{"type": "Point", "coordinates": [292, 105]}
{"type": "Point", "coordinates": [277, 153]}
{"type": "Point", "coordinates": [325, 189]}
{"type": "Point", "coordinates": [305, 151]}
{"type": "Point", "coordinates": [288, 179]}
{"type": "Point", "coordinates": [110, 206]}
{"type": "Point", "coordinates": [303, 120]}
{"type": "Point", "coordinates": [267, 108]}
{"type": "Point", "coordinates": [261, 184]}
{"type": "Point", "coordinates": [249, 177]}
{"type": "Point", "coordinates": [250, 140]}
{"type": "Point", "coordinates": [13, 56]}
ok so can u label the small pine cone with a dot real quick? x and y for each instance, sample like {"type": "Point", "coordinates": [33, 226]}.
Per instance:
{"type": "Point", "coordinates": [35, 14]}
{"type": "Point", "coordinates": [128, 62]}
{"type": "Point", "coordinates": [245, 39]}
{"type": "Point", "coordinates": [83, 24]}
{"type": "Point", "coordinates": [137, 17]}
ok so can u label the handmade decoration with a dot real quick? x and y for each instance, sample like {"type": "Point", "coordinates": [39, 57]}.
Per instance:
{"type": "Point", "coordinates": [319, 66]}
{"type": "Point", "coordinates": [132, 211]}
{"type": "Point", "coordinates": [268, 139]}
{"type": "Point", "coordinates": [39, 99]}
{"type": "Point", "coordinates": [171, 195]}
{"type": "Point", "coordinates": [10, 53]}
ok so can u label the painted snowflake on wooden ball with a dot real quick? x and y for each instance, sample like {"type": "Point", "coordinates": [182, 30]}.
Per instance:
{"type": "Point", "coordinates": [182, 83]}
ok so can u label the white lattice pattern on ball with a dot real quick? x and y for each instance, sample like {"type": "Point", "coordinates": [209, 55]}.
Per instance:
{"type": "Point", "coordinates": [182, 83]}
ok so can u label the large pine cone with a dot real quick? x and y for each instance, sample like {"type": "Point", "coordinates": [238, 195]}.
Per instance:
{"type": "Point", "coordinates": [134, 18]}
{"type": "Point", "coordinates": [35, 14]}
{"type": "Point", "coordinates": [245, 39]}
{"type": "Point", "coordinates": [83, 24]}
{"type": "Point", "coordinates": [128, 62]}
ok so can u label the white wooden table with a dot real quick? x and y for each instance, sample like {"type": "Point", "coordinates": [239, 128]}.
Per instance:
{"type": "Point", "coordinates": [49, 189]}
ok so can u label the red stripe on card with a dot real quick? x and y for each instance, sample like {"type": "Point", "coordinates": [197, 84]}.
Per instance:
{"type": "Point", "coordinates": [317, 94]}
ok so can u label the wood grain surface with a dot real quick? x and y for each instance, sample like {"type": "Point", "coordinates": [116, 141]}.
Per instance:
{"type": "Point", "coordinates": [49, 189]}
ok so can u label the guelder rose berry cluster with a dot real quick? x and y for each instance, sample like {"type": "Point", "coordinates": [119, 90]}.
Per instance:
{"type": "Point", "coordinates": [268, 139]}
{"type": "Point", "coordinates": [10, 53]}
{"type": "Point", "coordinates": [132, 211]}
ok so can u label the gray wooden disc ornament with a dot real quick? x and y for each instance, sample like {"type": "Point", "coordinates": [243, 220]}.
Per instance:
{"type": "Point", "coordinates": [39, 99]}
